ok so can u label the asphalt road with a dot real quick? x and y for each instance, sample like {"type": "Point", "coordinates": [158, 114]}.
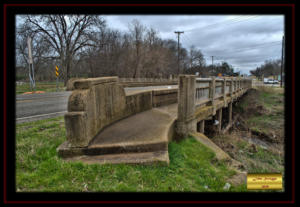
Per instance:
{"type": "Point", "coordinates": [31, 107]}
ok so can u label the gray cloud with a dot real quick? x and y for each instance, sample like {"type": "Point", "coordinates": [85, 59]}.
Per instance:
{"type": "Point", "coordinates": [245, 41]}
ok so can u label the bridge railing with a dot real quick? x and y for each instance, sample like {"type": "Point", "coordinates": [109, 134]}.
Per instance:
{"type": "Point", "coordinates": [207, 90]}
{"type": "Point", "coordinates": [146, 80]}
{"type": "Point", "coordinates": [140, 82]}
{"type": "Point", "coordinates": [197, 92]}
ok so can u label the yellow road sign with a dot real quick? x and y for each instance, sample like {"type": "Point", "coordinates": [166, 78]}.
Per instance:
{"type": "Point", "coordinates": [56, 71]}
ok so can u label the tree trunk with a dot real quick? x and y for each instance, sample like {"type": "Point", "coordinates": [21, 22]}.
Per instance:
{"type": "Point", "coordinates": [67, 75]}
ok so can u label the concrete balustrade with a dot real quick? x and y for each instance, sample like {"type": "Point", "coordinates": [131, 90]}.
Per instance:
{"type": "Point", "coordinates": [200, 98]}
{"type": "Point", "coordinates": [140, 82]}
{"type": "Point", "coordinates": [98, 102]}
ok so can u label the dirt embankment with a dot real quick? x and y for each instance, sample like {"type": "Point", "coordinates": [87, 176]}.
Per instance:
{"type": "Point", "coordinates": [257, 137]}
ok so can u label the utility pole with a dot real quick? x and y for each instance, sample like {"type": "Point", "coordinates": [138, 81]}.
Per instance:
{"type": "Point", "coordinates": [212, 62]}
{"type": "Point", "coordinates": [178, 34]}
{"type": "Point", "coordinates": [282, 60]}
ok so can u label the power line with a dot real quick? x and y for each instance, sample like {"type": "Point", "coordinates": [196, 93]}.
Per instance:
{"type": "Point", "coordinates": [246, 49]}
{"type": "Point", "coordinates": [230, 21]}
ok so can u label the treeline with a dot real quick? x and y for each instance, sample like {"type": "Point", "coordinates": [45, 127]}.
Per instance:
{"type": "Point", "coordinates": [84, 46]}
{"type": "Point", "coordinates": [269, 68]}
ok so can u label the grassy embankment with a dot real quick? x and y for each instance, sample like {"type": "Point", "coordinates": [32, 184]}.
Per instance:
{"type": "Point", "coordinates": [257, 139]}
{"type": "Point", "coordinates": [40, 86]}
{"type": "Point", "coordinates": [193, 167]}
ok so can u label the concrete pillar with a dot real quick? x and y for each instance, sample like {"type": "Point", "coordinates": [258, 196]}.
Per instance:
{"type": "Point", "coordinates": [212, 89]}
{"type": "Point", "coordinates": [230, 113]}
{"type": "Point", "coordinates": [219, 117]}
{"type": "Point", "coordinates": [234, 84]}
{"type": "Point", "coordinates": [202, 125]}
{"type": "Point", "coordinates": [224, 92]}
{"type": "Point", "coordinates": [231, 88]}
{"type": "Point", "coordinates": [186, 122]}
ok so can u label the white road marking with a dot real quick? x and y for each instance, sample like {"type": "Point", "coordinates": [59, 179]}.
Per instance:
{"type": "Point", "coordinates": [29, 117]}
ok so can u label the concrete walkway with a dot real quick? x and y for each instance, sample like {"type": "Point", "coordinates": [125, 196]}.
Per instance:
{"type": "Point", "coordinates": [142, 137]}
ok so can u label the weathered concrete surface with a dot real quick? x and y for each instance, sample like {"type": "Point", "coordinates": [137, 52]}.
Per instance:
{"type": "Point", "coordinates": [186, 121]}
{"type": "Point", "coordinates": [148, 84]}
{"type": "Point", "coordinates": [138, 102]}
{"type": "Point", "coordinates": [148, 131]}
{"type": "Point", "coordinates": [94, 104]}
{"type": "Point", "coordinates": [161, 97]}
{"type": "Point", "coordinates": [98, 102]}
{"type": "Point", "coordinates": [130, 82]}
{"type": "Point", "coordinates": [103, 120]}
{"type": "Point", "coordinates": [145, 158]}
{"type": "Point", "coordinates": [70, 83]}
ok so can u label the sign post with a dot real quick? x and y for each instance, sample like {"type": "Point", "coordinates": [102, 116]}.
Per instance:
{"type": "Point", "coordinates": [57, 74]}
{"type": "Point", "coordinates": [30, 64]}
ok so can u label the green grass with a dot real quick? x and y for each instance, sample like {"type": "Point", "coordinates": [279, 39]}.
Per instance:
{"type": "Point", "coordinates": [40, 86]}
{"type": "Point", "coordinates": [38, 168]}
{"type": "Point", "coordinates": [270, 115]}
{"type": "Point", "coordinates": [263, 111]}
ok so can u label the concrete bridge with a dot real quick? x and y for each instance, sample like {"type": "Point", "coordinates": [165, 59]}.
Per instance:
{"type": "Point", "coordinates": [106, 125]}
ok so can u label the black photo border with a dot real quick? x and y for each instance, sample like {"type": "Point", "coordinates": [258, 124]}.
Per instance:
{"type": "Point", "coordinates": [10, 196]}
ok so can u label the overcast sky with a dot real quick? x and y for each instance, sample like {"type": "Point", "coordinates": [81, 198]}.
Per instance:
{"type": "Point", "coordinates": [244, 41]}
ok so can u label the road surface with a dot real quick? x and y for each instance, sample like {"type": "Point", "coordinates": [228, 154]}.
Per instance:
{"type": "Point", "coordinates": [31, 107]}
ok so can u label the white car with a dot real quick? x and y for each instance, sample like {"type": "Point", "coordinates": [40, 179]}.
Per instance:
{"type": "Point", "coordinates": [268, 81]}
{"type": "Point", "coordinates": [271, 81]}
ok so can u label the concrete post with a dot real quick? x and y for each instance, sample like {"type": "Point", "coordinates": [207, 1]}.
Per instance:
{"type": "Point", "coordinates": [224, 92]}
{"type": "Point", "coordinates": [212, 89]}
{"type": "Point", "coordinates": [202, 125]}
{"type": "Point", "coordinates": [230, 113]}
{"type": "Point", "coordinates": [219, 115]}
{"type": "Point", "coordinates": [186, 122]}
{"type": "Point", "coordinates": [234, 84]}
{"type": "Point", "coordinates": [231, 88]}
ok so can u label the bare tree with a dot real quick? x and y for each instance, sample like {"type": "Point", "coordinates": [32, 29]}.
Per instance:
{"type": "Point", "coordinates": [65, 34]}
{"type": "Point", "coordinates": [196, 57]}
{"type": "Point", "coordinates": [137, 31]}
